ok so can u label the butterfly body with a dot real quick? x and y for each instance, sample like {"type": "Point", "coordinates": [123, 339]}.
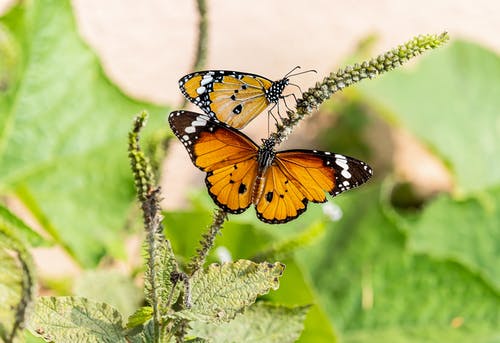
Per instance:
{"type": "Point", "coordinates": [265, 158]}
{"type": "Point", "coordinates": [278, 183]}
{"type": "Point", "coordinates": [232, 97]}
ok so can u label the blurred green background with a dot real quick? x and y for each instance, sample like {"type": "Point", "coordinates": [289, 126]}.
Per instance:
{"type": "Point", "coordinates": [413, 256]}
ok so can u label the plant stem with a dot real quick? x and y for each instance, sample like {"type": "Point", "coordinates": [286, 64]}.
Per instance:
{"type": "Point", "coordinates": [202, 43]}
{"type": "Point", "coordinates": [207, 241]}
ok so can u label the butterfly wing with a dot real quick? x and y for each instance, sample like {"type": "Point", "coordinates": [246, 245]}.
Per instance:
{"type": "Point", "coordinates": [299, 176]}
{"type": "Point", "coordinates": [234, 98]}
{"type": "Point", "coordinates": [227, 156]}
{"type": "Point", "coordinates": [281, 200]}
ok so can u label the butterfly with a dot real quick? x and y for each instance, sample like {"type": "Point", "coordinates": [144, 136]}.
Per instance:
{"type": "Point", "coordinates": [239, 173]}
{"type": "Point", "coordinates": [233, 97]}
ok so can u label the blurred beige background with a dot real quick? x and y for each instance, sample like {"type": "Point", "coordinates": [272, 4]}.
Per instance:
{"type": "Point", "coordinates": [146, 46]}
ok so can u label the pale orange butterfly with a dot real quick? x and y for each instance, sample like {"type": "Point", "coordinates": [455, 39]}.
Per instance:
{"type": "Point", "coordinates": [233, 97]}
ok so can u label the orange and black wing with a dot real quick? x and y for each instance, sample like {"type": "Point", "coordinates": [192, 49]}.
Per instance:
{"type": "Point", "coordinates": [227, 156]}
{"type": "Point", "coordinates": [299, 176]}
{"type": "Point", "coordinates": [233, 97]}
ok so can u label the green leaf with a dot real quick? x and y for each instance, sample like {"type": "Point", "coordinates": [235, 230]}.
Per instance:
{"type": "Point", "coordinates": [17, 284]}
{"type": "Point", "coordinates": [261, 322]}
{"type": "Point", "coordinates": [9, 68]}
{"type": "Point", "coordinates": [63, 134]}
{"type": "Point", "coordinates": [164, 292]}
{"type": "Point", "coordinates": [26, 233]}
{"type": "Point", "coordinates": [111, 287]}
{"type": "Point", "coordinates": [30, 338]}
{"type": "Point", "coordinates": [466, 231]}
{"type": "Point", "coordinates": [295, 289]}
{"type": "Point", "coordinates": [222, 291]}
{"type": "Point", "coordinates": [237, 232]}
{"type": "Point", "coordinates": [142, 334]}
{"type": "Point", "coordinates": [140, 316]}
{"type": "Point", "coordinates": [370, 283]}
{"type": "Point", "coordinates": [74, 319]}
{"type": "Point", "coordinates": [197, 340]}
{"type": "Point", "coordinates": [450, 101]}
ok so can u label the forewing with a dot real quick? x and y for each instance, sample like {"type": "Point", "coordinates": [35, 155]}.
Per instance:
{"type": "Point", "coordinates": [316, 172]}
{"type": "Point", "coordinates": [233, 97]}
{"type": "Point", "coordinates": [211, 144]}
{"type": "Point", "coordinates": [227, 155]}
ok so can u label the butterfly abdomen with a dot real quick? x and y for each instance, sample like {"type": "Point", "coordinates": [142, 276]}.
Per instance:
{"type": "Point", "coordinates": [265, 158]}
{"type": "Point", "coordinates": [258, 188]}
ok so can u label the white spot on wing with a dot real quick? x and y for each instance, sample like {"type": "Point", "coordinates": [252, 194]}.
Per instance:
{"type": "Point", "coordinates": [341, 161]}
{"type": "Point", "coordinates": [201, 90]}
{"type": "Point", "coordinates": [199, 122]}
{"type": "Point", "coordinates": [346, 174]}
{"type": "Point", "coordinates": [206, 80]}
{"type": "Point", "coordinates": [190, 129]}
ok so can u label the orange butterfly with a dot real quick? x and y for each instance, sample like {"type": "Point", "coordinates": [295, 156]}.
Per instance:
{"type": "Point", "coordinates": [235, 98]}
{"type": "Point", "coordinates": [279, 184]}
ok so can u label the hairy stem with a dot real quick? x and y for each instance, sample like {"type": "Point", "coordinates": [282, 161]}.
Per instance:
{"type": "Point", "coordinates": [202, 43]}
{"type": "Point", "coordinates": [150, 204]}
{"type": "Point", "coordinates": [201, 48]}
{"type": "Point", "coordinates": [207, 241]}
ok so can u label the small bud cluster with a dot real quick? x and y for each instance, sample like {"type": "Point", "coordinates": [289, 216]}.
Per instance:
{"type": "Point", "coordinates": [350, 75]}
{"type": "Point", "coordinates": [141, 168]}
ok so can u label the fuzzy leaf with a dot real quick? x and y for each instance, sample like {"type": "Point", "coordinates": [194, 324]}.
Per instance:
{"type": "Point", "coordinates": [63, 133]}
{"type": "Point", "coordinates": [475, 238]}
{"type": "Point", "coordinates": [9, 219]}
{"type": "Point", "coordinates": [140, 316]}
{"type": "Point", "coordinates": [142, 333]}
{"type": "Point", "coordinates": [222, 291]}
{"type": "Point", "coordinates": [74, 319]}
{"type": "Point", "coordinates": [16, 287]}
{"type": "Point", "coordinates": [450, 101]}
{"type": "Point", "coordinates": [111, 287]}
{"type": "Point", "coordinates": [295, 289]}
{"type": "Point", "coordinates": [261, 322]}
{"type": "Point", "coordinates": [371, 285]}
{"type": "Point", "coordinates": [164, 265]}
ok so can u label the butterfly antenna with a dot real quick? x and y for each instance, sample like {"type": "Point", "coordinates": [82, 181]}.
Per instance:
{"type": "Point", "coordinates": [291, 71]}
{"type": "Point", "coordinates": [302, 72]}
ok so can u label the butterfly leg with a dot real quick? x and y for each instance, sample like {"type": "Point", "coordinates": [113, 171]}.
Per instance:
{"type": "Point", "coordinates": [270, 114]}
{"type": "Point", "coordinates": [300, 89]}
{"type": "Point", "coordinates": [284, 100]}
